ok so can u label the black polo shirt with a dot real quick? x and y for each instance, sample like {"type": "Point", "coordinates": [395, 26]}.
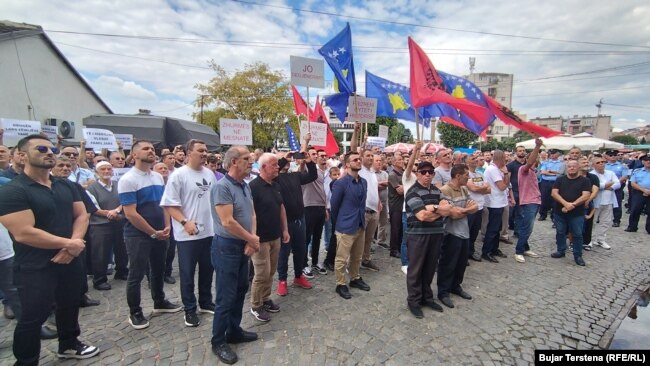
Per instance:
{"type": "Point", "coordinates": [52, 210]}
{"type": "Point", "coordinates": [267, 201]}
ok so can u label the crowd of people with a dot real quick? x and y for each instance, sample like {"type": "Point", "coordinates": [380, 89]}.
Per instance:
{"type": "Point", "coordinates": [237, 218]}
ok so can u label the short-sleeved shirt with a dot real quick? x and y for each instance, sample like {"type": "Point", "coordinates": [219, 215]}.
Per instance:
{"type": "Point", "coordinates": [620, 169]}
{"type": "Point", "coordinates": [143, 189]}
{"type": "Point", "coordinates": [267, 201]}
{"type": "Point", "coordinates": [81, 175]}
{"type": "Point", "coordinates": [228, 191]}
{"type": "Point", "coordinates": [408, 183]}
{"type": "Point", "coordinates": [497, 198]}
{"type": "Point", "coordinates": [641, 177]}
{"type": "Point", "coordinates": [372, 198]}
{"type": "Point", "coordinates": [571, 190]}
{"type": "Point", "coordinates": [477, 179]}
{"type": "Point", "coordinates": [52, 209]}
{"type": "Point", "coordinates": [395, 199]}
{"type": "Point", "coordinates": [189, 190]}
{"type": "Point", "coordinates": [417, 197]}
{"type": "Point", "coordinates": [442, 176]}
{"type": "Point", "coordinates": [513, 169]}
{"type": "Point", "coordinates": [549, 164]}
{"type": "Point", "coordinates": [458, 198]}
{"type": "Point", "coordinates": [383, 192]}
{"type": "Point", "coordinates": [528, 186]}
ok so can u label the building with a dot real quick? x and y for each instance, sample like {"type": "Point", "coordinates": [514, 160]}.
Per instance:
{"type": "Point", "coordinates": [39, 84]}
{"type": "Point", "coordinates": [598, 126]}
{"type": "Point", "coordinates": [498, 86]}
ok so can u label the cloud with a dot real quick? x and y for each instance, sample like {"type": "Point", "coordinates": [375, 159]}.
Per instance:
{"type": "Point", "coordinates": [117, 86]}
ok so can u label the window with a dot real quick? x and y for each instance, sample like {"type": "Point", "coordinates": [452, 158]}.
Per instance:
{"type": "Point", "coordinates": [492, 92]}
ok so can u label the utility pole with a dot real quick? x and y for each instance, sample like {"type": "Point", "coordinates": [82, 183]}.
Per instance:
{"type": "Point", "coordinates": [599, 106]}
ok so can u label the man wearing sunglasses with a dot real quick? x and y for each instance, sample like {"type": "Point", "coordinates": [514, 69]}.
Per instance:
{"type": "Point", "coordinates": [79, 175]}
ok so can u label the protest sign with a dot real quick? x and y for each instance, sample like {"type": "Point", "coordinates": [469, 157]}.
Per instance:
{"type": "Point", "coordinates": [235, 131]}
{"type": "Point", "coordinates": [307, 72]}
{"type": "Point", "coordinates": [16, 129]}
{"type": "Point", "coordinates": [126, 139]}
{"type": "Point", "coordinates": [97, 139]}
{"type": "Point", "coordinates": [383, 132]}
{"type": "Point", "coordinates": [51, 133]}
{"type": "Point", "coordinates": [361, 109]}
{"type": "Point", "coordinates": [376, 141]}
{"type": "Point", "coordinates": [318, 132]}
{"type": "Point", "coordinates": [119, 172]}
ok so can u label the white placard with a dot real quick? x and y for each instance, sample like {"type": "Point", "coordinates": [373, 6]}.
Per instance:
{"type": "Point", "coordinates": [318, 132]}
{"type": "Point", "coordinates": [97, 139]}
{"type": "Point", "coordinates": [308, 72]}
{"type": "Point", "coordinates": [51, 132]}
{"type": "Point", "coordinates": [376, 141]}
{"type": "Point", "coordinates": [383, 132]}
{"type": "Point", "coordinates": [16, 129]}
{"type": "Point", "coordinates": [361, 109]}
{"type": "Point", "coordinates": [235, 131]}
{"type": "Point", "coordinates": [126, 139]}
{"type": "Point", "coordinates": [119, 172]}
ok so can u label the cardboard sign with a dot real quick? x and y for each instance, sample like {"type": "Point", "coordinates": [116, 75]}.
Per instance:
{"type": "Point", "coordinates": [97, 139]}
{"type": "Point", "coordinates": [16, 129]}
{"type": "Point", "coordinates": [361, 109]}
{"type": "Point", "coordinates": [307, 72]}
{"type": "Point", "coordinates": [235, 131]}
{"type": "Point", "coordinates": [318, 132]}
{"type": "Point", "coordinates": [383, 132]}
{"type": "Point", "coordinates": [51, 133]}
{"type": "Point", "coordinates": [126, 139]}
{"type": "Point", "coordinates": [376, 141]}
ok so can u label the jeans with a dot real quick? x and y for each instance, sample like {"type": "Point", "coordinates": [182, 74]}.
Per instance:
{"type": "Point", "coordinates": [169, 255]}
{"type": "Point", "coordinates": [7, 286]}
{"type": "Point", "coordinates": [330, 258]}
{"type": "Point", "coordinates": [524, 222]}
{"type": "Point", "coordinates": [295, 245]}
{"type": "Point", "coordinates": [314, 222]}
{"type": "Point", "coordinates": [474, 222]}
{"type": "Point", "coordinates": [574, 225]}
{"type": "Point", "coordinates": [491, 240]}
{"type": "Point", "coordinates": [144, 253]}
{"type": "Point", "coordinates": [545, 187]}
{"type": "Point", "coordinates": [403, 254]}
{"type": "Point", "coordinates": [452, 264]}
{"type": "Point", "coordinates": [38, 289]}
{"type": "Point", "coordinates": [191, 253]}
{"type": "Point", "coordinates": [231, 266]}
{"type": "Point", "coordinates": [265, 262]}
{"type": "Point", "coordinates": [327, 233]}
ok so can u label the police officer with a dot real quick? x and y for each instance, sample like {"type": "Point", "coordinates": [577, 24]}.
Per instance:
{"type": "Point", "coordinates": [550, 170]}
{"type": "Point", "coordinates": [622, 173]}
{"type": "Point", "coordinates": [640, 196]}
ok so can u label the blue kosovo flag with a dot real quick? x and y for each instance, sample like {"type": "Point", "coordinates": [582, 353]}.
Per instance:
{"type": "Point", "coordinates": [338, 54]}
{"type": "Point", "coordinates": [293, 141]}
{"type": "Point", "coordinates": [393, 100]}
{"type": "Point", "coordinates": [464, 89]}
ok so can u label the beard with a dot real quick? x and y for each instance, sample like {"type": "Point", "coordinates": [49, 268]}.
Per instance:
{"type": "Point", "coordinates": [355, 169]}
{"type": "Point", "coordinates": [41, 163]}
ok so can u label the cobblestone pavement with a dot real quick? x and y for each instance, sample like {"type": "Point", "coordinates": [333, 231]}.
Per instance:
{"type": "Point", "coordinates": [544, 303]}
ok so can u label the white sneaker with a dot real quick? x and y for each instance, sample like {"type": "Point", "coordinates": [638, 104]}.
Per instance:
{"type": "Point", "coordinates": [405, 269]}
{"type": "Point", "coordinates": [520, 258]}
{"type": "Point", "coordinates": [530, 253]}
{"type": "Point", "coordinates": [603, 245]}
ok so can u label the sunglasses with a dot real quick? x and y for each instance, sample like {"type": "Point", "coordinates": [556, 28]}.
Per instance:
{"type": "Point", "coordinates": [426, 172]}
{"type": "Point", "coordinates": [69, 153]}
{"type": "Point", "coordinates": [43, 149]}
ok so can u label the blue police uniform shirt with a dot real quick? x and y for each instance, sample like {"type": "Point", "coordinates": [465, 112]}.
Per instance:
{"type": "Point", "coordinates": [618, 168]}
{"type": "Point", "coordinates": [641, 177]}
{"type": "Point", "coordinates": [551, 165]}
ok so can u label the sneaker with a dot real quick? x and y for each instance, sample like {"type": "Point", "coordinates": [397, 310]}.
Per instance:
{"type": "Point", "coordinates": [207, 308]}
{"type": "Point", "coordinates": [282, 288]}
{"type": "Point", "coordinates": [80, 351]}
{"type": "Point", "coordinates": [588, 247]}
{"type": "Point", "coordinates": [270, 306]}
{"type": "Point", "coordinates": [530, 253]}
{"type": "Point", "coordinates": [520, 258]}
{"type": "Point", "coordinates": [192, 320]}
{"type": "Point", "coordinates": [603, 245]}
{"type": "Point", "coordinates": [138, 320]}
{"type": "Point", "coordinates": [405, 269]}
{"type": "Point", "coordinates": [261, 314]}
{"type": "Point", "coordinates": [307, 273]}
{"type": "Point", "coordinates": [369, 265]}
{"type": "Point", "coordinates": [166, 307]}
{"type": "Point", "coordinates": [318, 269]}
{"type": "Point", "coordinates": [302, 282]}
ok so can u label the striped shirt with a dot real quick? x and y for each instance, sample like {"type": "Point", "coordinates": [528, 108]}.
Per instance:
{"type": "Point", "coordinates": [144, 189]}
{"type": "Point", "coordinates": [417, 197]}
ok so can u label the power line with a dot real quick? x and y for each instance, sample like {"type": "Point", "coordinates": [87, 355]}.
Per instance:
{"type": "Point", "coordinates": [584, 92]}
{"type": "Point", "coordinates": [621, 67]}
{"type": "Point", "coordinates": [627, 106]}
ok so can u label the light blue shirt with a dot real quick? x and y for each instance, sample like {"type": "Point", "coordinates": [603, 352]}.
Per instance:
{"type": "Point", "coordinates": [618, 168]}
{"type": "Point", "coordinates": [556, 165]}
{"type": "Point", "coordinates": [81, 175]}
{"type": "Point", "coordinates": [641, 177]}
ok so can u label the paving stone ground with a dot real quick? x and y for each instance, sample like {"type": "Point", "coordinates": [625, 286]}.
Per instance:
{"type": "Point", "coordinates": [543, 304]}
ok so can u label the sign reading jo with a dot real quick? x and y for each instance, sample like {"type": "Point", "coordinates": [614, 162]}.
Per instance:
{"type": "Point", "coordinates": [308, 72]}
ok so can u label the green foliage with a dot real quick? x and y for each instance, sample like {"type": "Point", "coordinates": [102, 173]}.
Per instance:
{"type": "Point", "coordinates": [397, 132]}
{"type": "Point", "coordinates": [452, 136]}
{"type": "Point", "coordinates": [508, 144]}
{"type": "Point", "coordinates": [643, 141]}
{"type": "Point", "coordinates": [521, 135]}
{"type": "Point", "coordinates": [625, 139]}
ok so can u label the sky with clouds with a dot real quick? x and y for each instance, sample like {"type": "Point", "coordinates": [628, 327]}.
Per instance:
{"type": "Point", "coordinates": [603, 46]}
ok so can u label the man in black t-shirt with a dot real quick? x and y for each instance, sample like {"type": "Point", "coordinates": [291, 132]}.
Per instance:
{"type": "Point", "coordinates": [570, 193]}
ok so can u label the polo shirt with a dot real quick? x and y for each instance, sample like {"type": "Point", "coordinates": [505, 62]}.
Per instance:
{"type": "Point", "coordinates": [267, 201]}
{"type": "Point", "coordinates": [348, 204]}
{"type": "Point", "coordinates": [618, 168]}
{"type": "Point", "coordinates": [228, 191]}
{"type": "Point", "coordinates": [52, 209]}
{"type": "Point", "coordinates": [144, 189]}
{"type": "Point", "coordinates": [417, 197]}
{"type": "Point", "coordinates": [556, 165]}
{"type": "Point", "coordinates": [641, 177]}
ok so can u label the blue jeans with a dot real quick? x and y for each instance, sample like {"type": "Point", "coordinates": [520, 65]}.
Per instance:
{"type": "Point", "coordinates": [327, 234]}
{"type": "Point", "coordinates": [404, 256]}
{"type": "Point", "coordinates": [491, 239]}
{"type": "Point", "coordinates": [191, 253]}
{"type": "Point", "coordinates": [296, 245]}
{"type": "Point", "coordinates": [524, 222]}
{"type": "Point", "coordinates": [231, 266]}
{"type": "Point", "coordinates": [574, 224]}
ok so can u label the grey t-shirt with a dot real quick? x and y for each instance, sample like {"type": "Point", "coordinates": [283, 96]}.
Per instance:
{"type": "Point", "coordinates": [458, 198]}
{"type": "Point", "coordinates": [230, 192]}
{"type": "Point", "coordinates": [442, 176]}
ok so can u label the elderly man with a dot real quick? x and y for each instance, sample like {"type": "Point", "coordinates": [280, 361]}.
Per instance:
{"type": "Point", "coordinates": [117, 159]}
{"type": "Point", "coordinates": [497, 177]}
{"type": "Point", "coordinates": [79, 175]}
{"type": "Point", "coordinates": [396, 204]}
{"type": "Point", "coordinates": [605, 201]}
{"type": "Point", "coordinates": [234, 241]}
{"type": "Point", "coordinates": [640, 196]}
{"type": "Point", "coordinates": [47, 219]}
{"type": "Point", "coordinates": [622, 173]}
{"type": "Point", "coordinates": [272, 230]}
{"type": "Point", "coordinates": [478, 189]}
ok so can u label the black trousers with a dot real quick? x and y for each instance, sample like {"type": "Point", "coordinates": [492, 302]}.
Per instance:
{"type": "Point", "coordinates": [474, 221]}
{"type": "Point", "coordinates": [618, 211]}
{"type": "Point", "coordinates": [38, 289]}
{"type": "Point", "coordinates": [423, 251]}
{"type": "Point", "coordinates": [314, 223]}
{"type": "Point", "coordinates": [639, 203]}
{"type": "Point", "coordinates": [589, 226]}
{"type": "Point", "coordinates": [331, 250]}
{"type": "Point", "coordinates": [396, 232]}
{"type": "Point", "coordinates": [104, 239]}
{"type": "Point", "coordinates": [145, 255]}
{"type": "Point", "coordinates": [169, 256]}
{"type": "Point", "coordinates": [452, 264]}
{"type": "Point", "coordinates": [545, 187]}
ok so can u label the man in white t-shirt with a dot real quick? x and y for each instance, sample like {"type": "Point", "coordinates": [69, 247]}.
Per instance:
{"type": "Point", "coordinates": [496, 176]}
{"type": "Point", "coordinates": [187, 201]}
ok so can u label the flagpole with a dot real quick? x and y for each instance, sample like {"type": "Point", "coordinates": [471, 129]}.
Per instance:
{"type": "Point", "coordinates": [356, 111]}
{"type": "Point", "coordinates": [417, 125]}
{"type": "Point", "coordinates": [308, 120]}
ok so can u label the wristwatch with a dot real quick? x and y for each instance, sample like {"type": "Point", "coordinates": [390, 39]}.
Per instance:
{"type": "Point", "coordinates": [154, 235]}
{"type": "Point", "coordinates": [183, 222]}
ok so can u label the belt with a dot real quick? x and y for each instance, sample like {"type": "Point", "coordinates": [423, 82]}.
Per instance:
{"type": "Point", "coordinates": [370, 211]}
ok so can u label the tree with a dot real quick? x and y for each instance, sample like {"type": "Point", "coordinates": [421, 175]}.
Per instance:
{"type": "Point", "coordinates": [522, 135]}
{"type": "Point", "coordinates": [452, 136]}
{"type": "Point", "coordinates": [257, 94]}
{"type": "Point", "coordinates": [643, 141]}
{"type": "Point", "coordinates": [397, 132]}
{"type": "Point", "coordinates": [625, 139]}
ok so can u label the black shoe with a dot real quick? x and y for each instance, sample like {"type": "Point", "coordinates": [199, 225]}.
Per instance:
{"type": "Point", "coordinates": [48, 333]}
{"type": "Point", "coordinates": [329, 266]}
{"type": "Point", "coordinates": [209, 308]}
{"type": "Point", "coordinates": [343, 291]}
{"type": "Point", "coordinates": [433, 305]}
{"type": "Point", "coordinates": [499, 254]}
{"type": "Point", "coordinates": [394, 254]}
{"type": "Point", "coordinates": [87, 301]}
{"type": "Point", "coordinates": [616, 224]}
{"type": "Point", "coordinates": [462, 294]}
{"type": "Point", "coordinates": [224, 353]}
{"type": "Point", "coordinates": [475, 257]}
{"type": "Point", "coordinates": [104, 286]}
{"type": "Point", "coordinates": [580, 261]}
{"type": "Point", "coordinates": [369, 265]}
{"type": "Point", "coordinates": [360, 284]}
{"type": "Point", "coordinates": [490, 258]}
{"type": "Point", "coordinates": [121, 276]}
{"type": "Point", "coordinates": [553, 226]}
{"type": "Point", "coordinates": [166, 307]}
{"type": "Point", "coordinates": [557, 255]}
{"type": "Point", "coordinates": [446, 301]}
{"type": "Point", "coordinates": [630, 230]}
{"type": "Point", "coordinates": [191, 319]}
{"type": "Point", "coordinates": [80, 351]}
{"type": "Point", "coordinates": [416, 311]}
{"type": "Point", "coordinates": [243, 338]}
{"type": "Point", "coordinates": [138, 320]}
{"type": "Point", "coordinates": [384, 245]}
{"type": "Point", "coordinates": [169, 280]}
{"type": "Point", "coordinates": [542, 218]}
